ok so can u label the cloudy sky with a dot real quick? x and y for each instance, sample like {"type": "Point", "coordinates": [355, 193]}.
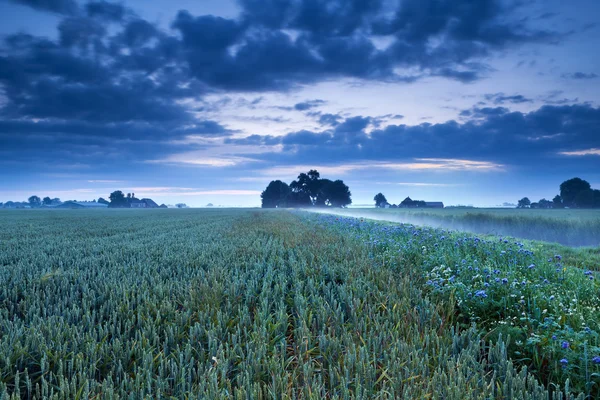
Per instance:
{"type": "Point", "coordinates": [463, 101]}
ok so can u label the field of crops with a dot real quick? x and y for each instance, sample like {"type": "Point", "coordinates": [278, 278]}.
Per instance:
{"type": "Point", "coordinates": [570, 227]}
{"type": "Point", "coordinates": [253, 304]}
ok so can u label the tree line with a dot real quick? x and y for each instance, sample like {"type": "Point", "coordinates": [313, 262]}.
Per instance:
{"type": "Point", "coordinates": [574, 193]}
{"type": "Point", "coordinates": [381, 202]}
{"type": "Point", "coordinates": [308, 190]}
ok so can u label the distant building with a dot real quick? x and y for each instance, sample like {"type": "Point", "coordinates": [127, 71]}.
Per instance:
{"type": "Point", "coordinates": [434, 204]}
{"type": "Point", "coordinates": [137, 204]}
{"type": "Point", "coordinates": [150, 203]}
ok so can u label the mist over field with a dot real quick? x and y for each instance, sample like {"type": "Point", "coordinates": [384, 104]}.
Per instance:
{"type": "Point", "coordinates": [575, 228]}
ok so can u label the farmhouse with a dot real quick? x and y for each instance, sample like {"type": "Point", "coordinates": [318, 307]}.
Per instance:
{"type": "Point", "coordinates": [137, 204]}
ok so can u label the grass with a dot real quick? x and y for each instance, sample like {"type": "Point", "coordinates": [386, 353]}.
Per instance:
{"type": "Point", "coordinates": [264, 305]}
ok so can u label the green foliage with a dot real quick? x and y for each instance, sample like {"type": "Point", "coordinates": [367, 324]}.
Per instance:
{"type": "Point", "coordinates": [238, 304]}
{"type": "Point", "coordinates": [548, 308]}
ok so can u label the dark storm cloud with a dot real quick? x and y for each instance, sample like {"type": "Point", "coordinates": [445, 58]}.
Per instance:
{"type": "Point", "coordinates": [111, 75]}
{"type": "Point", "coordinates": [105, 10]}
{"type": "Point", "coordinates": [334, 39]}
{"type": "Point", "coordinates": [138, 72]}
{"type": "Point", "coordinates": [57, 6]}
{"type": "Point", "coordinates": [492, 134]}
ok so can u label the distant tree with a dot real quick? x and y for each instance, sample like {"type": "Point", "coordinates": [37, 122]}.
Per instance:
{"type": "Point", "coordinates": [584, 199]}
{"type": "Point", "coordinates": [298, 199]}
{"type": "Point", "coordinates": [596, 198]}
{"type": "Point", "coordinates": [307, 184]}
{"type": "Point", "coordinates": [543, 203]}
{"type": "Point", "coordinates": [118, 200]}
{"type": "Point", "coordinates": [524, 203]}
{"type": "Point", "coordinates": [534, 205]}
{"type": "Point", "coordinates": [336, 194]}
{"type": "Point", "coordinates": [34, 201]}
{"type": "Point", "coordinates": [47, 201]}
{"type": "Point", "coordinates": [103, 201]}
{"type": "Point", "coordinates": [181, 205]}
{"type": "Point", "coordinates": [275, 195]}
{"type": "Point", "coordinates": [380, 200]}
{"type": "Point", "coordinates": [307, 190]}
{"type": "Point", "coordinates": [570, 189]}
{"type": "Point", "coordinates": [557, 202]}
{"type": "Point", "coordinates": [129, 195]}
{"type": "Point", "coordinates": [210, 205]}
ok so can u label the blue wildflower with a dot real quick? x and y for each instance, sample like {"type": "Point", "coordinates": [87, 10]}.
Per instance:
{"type": "Point", "coordinates": [504, 281]}
{"type": "Point", "coordinates": [564, 361]}
{"type": "Point", "coordinates": [564, 345]}
{"type": "Point", "coordinates": [480, 293]}
{"type": "Point", "coordinates": [596, 360]}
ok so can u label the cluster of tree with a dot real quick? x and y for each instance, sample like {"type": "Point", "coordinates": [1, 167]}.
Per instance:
{"type": "Point", "coordinates": [37, 202]}
{"type": "Point", "coordinates": [381, 202]}
{"type": "Point", "coordinates": [306, 191]}
{"type": "Point", "coordinates": [574, 193]}
{"type": "Point", "coordinates": [119, 200]}
{"type": "Point", "coordinates": [33, 202]}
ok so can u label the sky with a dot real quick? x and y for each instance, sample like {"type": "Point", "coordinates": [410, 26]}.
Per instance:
{"type": "Point", "coordinates": [473, 102]}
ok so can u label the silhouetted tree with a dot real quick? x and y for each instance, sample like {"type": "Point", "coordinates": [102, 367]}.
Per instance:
{"type": "Point", "coordinates": [275, 195]}
{"type": "Point", "coordinates": [570, 189]}
{"type": "Point", "coordinates": [584, 199]}
{"type": "Point", "coordinates": [524, 203]}
{"type": "Point", "coordinates": [47, 201]}
{"type": "Point", "coordinates": [336, 194]}
{"type": "Point", "coordinates": [380, 200]}
{"type": "Point", "coordinates": [307, 190]}
{"type": "Point", "coordinates": [557, 202]}
{"type": "Point", "coordinates": [102, 201]}
{"type": "Point", "coordinates": [307, 184]}
{"type": "Point", "coordinates": [117, 200]}
{"type": "Point", "coordinates": [543, 203]}
{"type": "Point", "coordinates": [298, 199]}
{"type": "Point", "coordinates": [34, 201]}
